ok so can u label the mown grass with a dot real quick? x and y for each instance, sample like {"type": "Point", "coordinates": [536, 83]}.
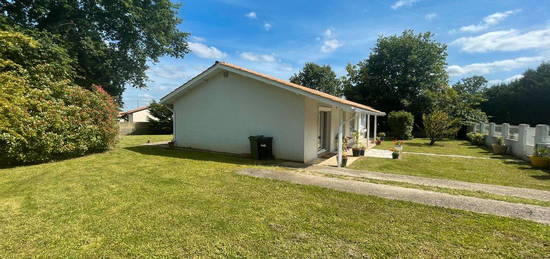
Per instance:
{"type": "Point", "coordinates": [142, 201]}
{"type": "Point", "coordinates": [444, 147]}
{"type": "Point", "coordinates": [500, 170]}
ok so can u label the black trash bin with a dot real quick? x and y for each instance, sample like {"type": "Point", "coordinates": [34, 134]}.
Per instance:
{"type": "Point", "coordinates": [265, 149]}
{"type": "Point", "coordinates": [255, 146]}
{"type": "Point", "coordinates": [261, 147]}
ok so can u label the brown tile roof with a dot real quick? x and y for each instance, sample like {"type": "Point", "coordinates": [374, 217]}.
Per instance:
{"type": "Point", "coordinates": [303, 88]}
{"type": "Point", "coordinates": [134, 110]}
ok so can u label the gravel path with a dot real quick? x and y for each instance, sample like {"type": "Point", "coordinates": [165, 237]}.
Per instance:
{"type": "Point", "coordinates": [500, 208]}
{"type": "Point", "coordinates": [443, 183]}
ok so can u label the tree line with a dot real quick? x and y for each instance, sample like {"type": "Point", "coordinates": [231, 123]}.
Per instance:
{"type": "Point", "coordinates": [407, 72]}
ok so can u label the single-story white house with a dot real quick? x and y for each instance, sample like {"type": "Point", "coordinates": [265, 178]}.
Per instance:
{"type": "Point", "coordinates": [221, 107]}
{"type": "Point", "coordinates": [140, 114]}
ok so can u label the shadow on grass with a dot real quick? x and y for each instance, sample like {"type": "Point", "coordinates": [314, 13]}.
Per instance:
{"type": "Point", "coordinates": [4, 163]}
{"type": "Point", "coordinates": [193, 154]}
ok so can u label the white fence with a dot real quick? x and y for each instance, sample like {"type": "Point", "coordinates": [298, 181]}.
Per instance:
{"type": "Point", "coordinates": [521, 139]}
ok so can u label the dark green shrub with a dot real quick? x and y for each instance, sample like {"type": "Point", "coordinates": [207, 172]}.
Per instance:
{"type": "Point", "coordinates": [162, 121]}
{"type": "Point", "coordinates": [401, 124]}
{"type": "Point", "coordinates": [476, 138]}
{"type": "Point", "coordinates": [43, 117]}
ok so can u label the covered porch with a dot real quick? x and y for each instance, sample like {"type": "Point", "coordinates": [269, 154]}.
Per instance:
{"type": "Point", "coordinates": [339, 126]}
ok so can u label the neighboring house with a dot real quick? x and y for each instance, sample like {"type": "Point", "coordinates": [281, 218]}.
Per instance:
{"type": "Point", "coordinates": [140, 114]}
{"type": "Point", "coordinates": [221, 107]}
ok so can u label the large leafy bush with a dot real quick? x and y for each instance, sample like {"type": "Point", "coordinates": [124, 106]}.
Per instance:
{"type": "Point", "coordinates": [43, 116]}
{"type": "Point", "coordinates": [401, 124]}
{"type": "Point", "coordinates": [161, 123]}
{"type": "Point", "coordinates": [439, 125]}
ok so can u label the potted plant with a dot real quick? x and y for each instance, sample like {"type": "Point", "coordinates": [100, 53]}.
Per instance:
{"type": "Point", "coordinates": [377, 141]}
{"type": "Point", "coordinates": [540, 158]}
{"type": "Point", "coordinates": [499, 148]}
{"type": "Point", "coordinates": [344, 161]}
{"type": "Point", "coordinates": [395, 153]}
{"type": "Point", "coordinates": [362, 150]}
{"type": "Point", "coordinates": [356, 148]}
{"type": "Point", "coordinates": [172, 144]}
{"type": "Point", "coordinates": [398, 145]}
{"type": "Point", "coordinates": [382, 136]}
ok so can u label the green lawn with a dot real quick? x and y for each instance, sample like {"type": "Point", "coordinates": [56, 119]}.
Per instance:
{"type": "Point", "coordinates": [501, 170]}
{"type": "Point", "coordinates": [138, 201]}
{"type": "Point", "coordinates": [445, 147]}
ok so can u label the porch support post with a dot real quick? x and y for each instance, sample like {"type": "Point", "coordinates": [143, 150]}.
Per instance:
{"type": "Point", "coordinates": [368, 130]}
{"type": "Point", "coordinates": [340, 139]}
{"type": "Point", "coordinates": [375, 125]}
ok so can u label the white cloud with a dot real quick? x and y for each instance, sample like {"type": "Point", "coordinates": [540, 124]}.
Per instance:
{"type": "Point", "coordinates": [204, 51]}
{"type": "Point", "coordinates": [489, 21]}
{"type": "Point", "coordinates": [330, 43]}
{"type": "Point", "coordinates": [199, 39]}
{"type": "Point", "coordinates": [430, 16]}
{"type": "Point", "coordinates": [509, 40]}
{"type": "Point", "coordinates": [267, 26]}
{"type": "Point", "coordinates": [258, 57]}
{"type": "Point", "coordinates": [507, 80]}
{"type": "Point", "coordinates": [251, 15]}
{"type": "Point", "coordinates": [159, 72]}
{"type": "Point", "coordinates": [491, 67]}
{"type": "Point", "coordinates": [402, 3]}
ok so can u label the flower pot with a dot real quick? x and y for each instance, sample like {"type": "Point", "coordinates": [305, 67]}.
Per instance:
{"type": "Point", "coordinates": [395, 155]}
{"type": "Point", "coordinates": [499, 149]}
{"type": "Point", "coordinates": [378, 142]}
{"type": "Point", "coordinates": [344, 161]}
{"type": "Point", "coordinates": [171, 144]}
{"type": "Point", "coordinates": [362, 152]}
{"type": "Point", "coordinates": [538, 161]}
{"type": "Point", "coordinates": [355, 152]}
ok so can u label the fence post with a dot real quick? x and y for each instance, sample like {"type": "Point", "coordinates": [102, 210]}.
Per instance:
{"type": "Point", "coordinates": [482, 128]}
{"type": "Point", "coordinates": [541, 134]}
{"type": "Point", "coordinates": [522, 138]}
{"type": "Point", "coordinates": [505, 130]}
{"type": "Point", "coordinates": [492, 129]}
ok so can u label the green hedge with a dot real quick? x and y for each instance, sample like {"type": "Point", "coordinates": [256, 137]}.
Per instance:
{"type": "Point", "coordinates": [44, 117]}
{"type": "Point", "coordinates": [401, 124]}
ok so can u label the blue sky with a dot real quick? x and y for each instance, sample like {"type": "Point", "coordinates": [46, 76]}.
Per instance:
{"type": "Point", "coordinates": [498, 39]}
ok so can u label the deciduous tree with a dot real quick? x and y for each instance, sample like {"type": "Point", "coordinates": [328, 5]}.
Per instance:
{"type": "Point", "coordinates": [404, 72]}
{"type": "Point", "coordinates": [320, 78]}
{"type": "Point", "coordinates": [439, 125]}
{"type": "Point", "coordinates": [111, 41]}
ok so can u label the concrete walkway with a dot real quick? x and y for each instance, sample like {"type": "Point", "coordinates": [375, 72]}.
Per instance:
{"type": "Point", "coordinates": [379, 153]}
{"type": "Point", "coordinates": [443, 183]}
{"type": "Point", "coordinates": [500, 208]}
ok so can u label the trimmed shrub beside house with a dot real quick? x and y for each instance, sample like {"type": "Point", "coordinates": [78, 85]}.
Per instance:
{"type": "Point", "coordinates": [43, 116]}
{"type": "Point", "coordinates": [401, 124]}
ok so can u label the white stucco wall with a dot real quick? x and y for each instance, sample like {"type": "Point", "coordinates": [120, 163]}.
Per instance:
{"type": "Point", "coordinates": [221, 113]}
{"type": "Point", "coordinates": [311, 129]}
{"type": "Point", "coordinates": [140, 116]}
